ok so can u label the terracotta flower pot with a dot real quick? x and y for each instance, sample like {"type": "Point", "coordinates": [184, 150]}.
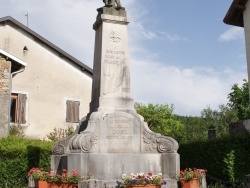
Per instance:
{"type": "Point", "coordinates": [193, 183]}
{"type": "Point", "coordinates": [54, 185]}
{"type": "Point", "coordinates": [62, 185]}
{"type": "Point", "coordinates": [73, 185]}
{"type": "Point", "coordinates": [69, 185]}
{"type": "Point", "coordinates": [41, 184]}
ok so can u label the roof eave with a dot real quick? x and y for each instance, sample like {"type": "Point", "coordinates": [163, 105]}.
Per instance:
{"type": "Point", "coordinates": [13, 58]}
{"type": "Point", "coordinates": [234, 15]}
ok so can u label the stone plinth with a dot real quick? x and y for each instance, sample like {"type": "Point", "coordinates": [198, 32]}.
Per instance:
{"type": "Point", "coordinates": [104, 184]}
{"type": "Point", "coordinates": [114, 139]}
{"type": "Point", "coordinates": [5, 73]}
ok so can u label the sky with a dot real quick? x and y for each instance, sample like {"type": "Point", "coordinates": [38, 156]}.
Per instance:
{"type": "Point", "coordinates": [181, 52]}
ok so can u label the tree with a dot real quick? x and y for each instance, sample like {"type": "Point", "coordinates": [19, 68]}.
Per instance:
{"type": "Point", "coordinates": [239, 100]}
{"type": "Point", "coordinates": [160, 119]}
{"type": "Point", "coordinates": [193, 129]}
{"type": "Point", "coordinates": [220, 119]}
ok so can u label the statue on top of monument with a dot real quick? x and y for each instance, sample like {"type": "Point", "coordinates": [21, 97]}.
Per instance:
{"type": "Point", "coordinates": [112, 3]}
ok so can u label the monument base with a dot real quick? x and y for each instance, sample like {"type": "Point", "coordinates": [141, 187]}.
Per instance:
{"type": "Point", "coordinates": [107, 168]}
{"type": "Point", "coordinates": [171, 183]}
{"type": "Point", "coordinates": [114, 144]}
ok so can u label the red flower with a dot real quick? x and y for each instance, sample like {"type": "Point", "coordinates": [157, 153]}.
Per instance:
{"type": "Point", "coordinates": [150, 174]}
{"type": "Point", "coordinates": [64, 170]}
{"type": "Point", "coordinates": [75, 173]}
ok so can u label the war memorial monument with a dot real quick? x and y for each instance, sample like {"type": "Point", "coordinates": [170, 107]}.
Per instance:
{"type": "Point", "coordinates": [113, 139]}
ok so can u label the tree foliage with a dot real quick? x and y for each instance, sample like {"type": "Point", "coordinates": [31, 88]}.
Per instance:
{"type": "Point", "coordinates": [220, 119]}
{"type": "Point", "coordinates": [239, 100]}
{"type": "Point", "coordinates": [160, 119]}
{"type": "Point", "coordinates": [193, 129]}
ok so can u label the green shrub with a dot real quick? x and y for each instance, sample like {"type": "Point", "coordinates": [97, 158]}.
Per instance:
{"type": "Point", "coordinates": [226, 159]}
{"type": "Point", "coordinates": [18, 155]}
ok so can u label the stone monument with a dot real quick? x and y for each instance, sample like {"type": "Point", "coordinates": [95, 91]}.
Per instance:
{"type": "Point", "coordinates": [114, 139]}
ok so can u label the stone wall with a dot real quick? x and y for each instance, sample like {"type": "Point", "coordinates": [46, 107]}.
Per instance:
{"type": "Point", "coordinates": [5, 72]}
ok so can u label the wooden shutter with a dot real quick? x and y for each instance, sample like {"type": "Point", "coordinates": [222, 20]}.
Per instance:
{"type": "Point", "coordinates": [72, 111]}
{"type": "Point", "coordinates": [76, 111]}
{"type": "Point", "coordinates": [69, 111]}
{"type": "Point", "coordinates": [21, 109]}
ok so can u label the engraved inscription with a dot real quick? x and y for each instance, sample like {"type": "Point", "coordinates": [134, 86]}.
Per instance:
{"type": "Point", "coordinates": [113, 57]}
{"type": "Point", "coordinates": [115, 37]}
{"type": "Point", "coordinates": [119, 129]}
{"type": "Point", "coordinates": [116, 72]}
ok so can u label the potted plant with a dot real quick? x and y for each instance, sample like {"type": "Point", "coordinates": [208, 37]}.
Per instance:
{"type": "Point", "coordinates": [70, 180]}
{"type": "Point", "coordinates": [53, 179]}
{"type": "Point", "coordinates": [39, 175]}
{"type": "Point", "coordinates": [66, 179]}
{"type": "Point", "coordinates": [190, 177]}
{"type": "Point", "coordinates": [141, 180]}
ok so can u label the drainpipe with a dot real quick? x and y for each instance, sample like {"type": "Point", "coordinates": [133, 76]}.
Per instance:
{"type": "Point", "coordinates": [11, 76]}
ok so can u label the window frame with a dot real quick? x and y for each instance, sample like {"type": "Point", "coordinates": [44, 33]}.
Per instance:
{"type": "Point", "coordinates": [19, 108]}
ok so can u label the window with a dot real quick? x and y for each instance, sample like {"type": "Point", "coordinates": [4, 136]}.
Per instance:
{"type": "Point", "coordinates": [18, 108]}
{"type": "Point", "coordinates": [72, 111]}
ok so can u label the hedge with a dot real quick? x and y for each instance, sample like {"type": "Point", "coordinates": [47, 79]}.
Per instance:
{"type": "Point", "coordinates": [226, 159]}
{"type": "Point", "coordinates": [18, 155]}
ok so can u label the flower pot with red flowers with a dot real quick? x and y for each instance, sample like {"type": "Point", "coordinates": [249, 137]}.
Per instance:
{"type": "Point", "coordinates": [70, 180]}
{"type": "Point", "coordinates": [193, 183]}
{"type": "Point", "coordinates": [190, 178]}
{"type": "Point", "coordinates": [66, 179]}
{"type": "Point", "coordinates": [39, 175]}
{"type": "Point", "coordinates": [141, 180]}
{"type": "Point", "coordinates": [53, 180]}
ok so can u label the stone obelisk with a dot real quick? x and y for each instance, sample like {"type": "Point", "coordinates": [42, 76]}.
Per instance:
{"type": "Point", "coordinates": [114, 139]}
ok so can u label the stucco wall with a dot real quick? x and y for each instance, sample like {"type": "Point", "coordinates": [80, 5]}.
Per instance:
{"type": "Point", "coordinates": [5, 71]}
{"type": "Point", "coordinates": [48, 81]}
{"type": "Point", "coordinates": [246, 17]}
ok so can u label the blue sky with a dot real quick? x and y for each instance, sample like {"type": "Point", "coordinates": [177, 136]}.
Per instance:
{"type": "Point", "coordinates": [181, 52]}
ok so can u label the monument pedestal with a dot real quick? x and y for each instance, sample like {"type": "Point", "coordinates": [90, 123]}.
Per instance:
{"type": "Point", "coordinates": [104, 184]}
{"type": "Point", "coordinates": [114, 139]}
{"type": "Point", "coordinates": [108, 166]}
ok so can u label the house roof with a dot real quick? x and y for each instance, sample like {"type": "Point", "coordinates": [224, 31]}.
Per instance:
{"type": "Point", "coordinates": [234, 15]}
{"type": "Point", "coordinates": [10, 20]}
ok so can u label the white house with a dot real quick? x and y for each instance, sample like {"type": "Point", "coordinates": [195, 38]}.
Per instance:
{"type": "Point", "coordinates": [54, 89]}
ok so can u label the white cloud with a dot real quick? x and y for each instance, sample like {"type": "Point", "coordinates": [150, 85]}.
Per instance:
{"type": "Point", "coordinates": [140, 32]}
{"type": "Point", "coordinates": [172, 37]}
{"type": "Point", "coordinates": [233, 33]}
{"type": "Point", "coordinates": [190, 89]}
